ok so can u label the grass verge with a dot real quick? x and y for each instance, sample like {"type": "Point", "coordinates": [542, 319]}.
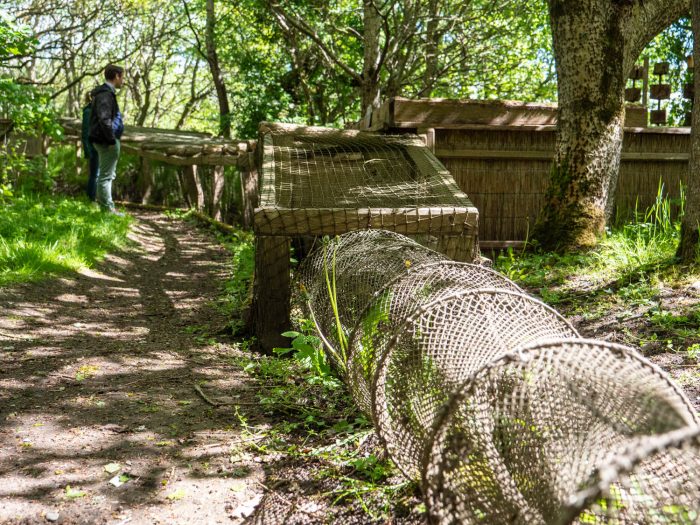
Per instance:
{"type": "Point", "coordinates": [44, 235]}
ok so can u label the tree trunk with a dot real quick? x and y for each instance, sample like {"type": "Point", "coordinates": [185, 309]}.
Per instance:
{"type": "Point", "coordinates": [690, 224]}
{"type": "Point", "coordinates": [372, 55]}
{"type": "Point", "coordinates": [591, 83]}
{"type": "Point", "coordinates": [217, 191]}
{"type": "Point", "coordinates": [596, 43]}
{"type": "Point", "coordinates": [214, 67]}
{"type": "Point", "coordinates": [432, 46]}
{"type": "Point", "coordinates": [146, 181]}
{"type": "Point", "coordinates": [193, 187]}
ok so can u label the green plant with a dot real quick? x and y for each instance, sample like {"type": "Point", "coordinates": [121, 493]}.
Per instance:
{"type": "Point", "coordinates": [333, 298]}
{"type": "Point", "coordinates": [238, 289]}
{"type": "Point", "coordinates": [307, 350]}
{"type": "Point", "coordinates": [693, 352]}
{"type": "Point", "coordinates": [43, 235]}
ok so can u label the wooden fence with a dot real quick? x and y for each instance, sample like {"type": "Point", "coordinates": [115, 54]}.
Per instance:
{"type": "Point", "coordinates": [500, 154]}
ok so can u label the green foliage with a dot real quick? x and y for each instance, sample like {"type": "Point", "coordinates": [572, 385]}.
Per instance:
{"type": "Point", "coordinates": [29, 109]}
{"type": "Point", "coordinates": [238, 289]}
{"type": "Point", "coordinates": [307, 349]}
{"type": "Point", "coordinates": [15, 40]}
{"type": "Point", "coordinates": [42, 236]}
{"type": "Point", "coordinates": [673, 45]}
{"type": "Point", "coordinates": [628, 251]}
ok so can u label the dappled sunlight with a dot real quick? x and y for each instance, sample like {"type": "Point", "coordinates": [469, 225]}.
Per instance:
{"type": "Point", "coordinates": [99, 371]}
{"type": "Point", "coordinates": [94, 274]}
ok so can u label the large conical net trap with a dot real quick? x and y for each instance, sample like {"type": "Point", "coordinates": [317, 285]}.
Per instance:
{"type": "Point", "coordinates": [491, 399]}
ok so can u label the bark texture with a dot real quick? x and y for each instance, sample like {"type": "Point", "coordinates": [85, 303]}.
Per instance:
{"type": "Point", "coordinates": [217, 191]}
{"type": "Point", "coordinates": [372, 57]}
{"type": "Point", "coordinates": [690, 235]}
{"type": "Point", "coordinates": [215, 68]}
{"type": "Point", "coordinates": [194, 194]}
{"type": "Point", "coordinates": [596, 43]}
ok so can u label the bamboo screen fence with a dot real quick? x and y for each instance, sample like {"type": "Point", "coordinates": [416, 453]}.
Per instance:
{"type": "Point", "coordinates": [500, 154]}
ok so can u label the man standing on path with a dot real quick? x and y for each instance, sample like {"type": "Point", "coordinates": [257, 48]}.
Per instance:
{"type": "Point", "coordinates": [106, 128]}
{"type": "Point", "coordinates": [89, 151]}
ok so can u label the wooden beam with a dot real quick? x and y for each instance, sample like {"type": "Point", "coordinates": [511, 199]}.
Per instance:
{"type": "Point", "coordinates": [336, 221]}
{"type": "Point", "coordinates": [204, 160]}
{"type": "Point", "coordinates": [497, 245]}
{"type": "Point", "coordinates": [549, 155]}
{"type": "Point", "coordinates": [452, 114]}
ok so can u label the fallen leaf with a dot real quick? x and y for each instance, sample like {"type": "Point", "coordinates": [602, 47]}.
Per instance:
{"type": "Point", "coordinates": [72, 493]}
{"type": "Point", "coordinates": [238, 486]}
{"type": "Point", "coordinates": [177, 495]}
{"type": "Point", "coordinates": [119, 480]}
{"type": "Point", "coordinates": [112, 468]}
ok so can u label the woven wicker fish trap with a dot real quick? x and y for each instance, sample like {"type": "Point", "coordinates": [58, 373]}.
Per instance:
{"type": "Point", "coordinates": [317, 182]}
{"type": "Point", "coordinates": [322, 181]}
{"type": "Point", "coordinates": [491, 400]}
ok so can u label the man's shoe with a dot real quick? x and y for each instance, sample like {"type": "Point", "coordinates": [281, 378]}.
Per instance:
{"type": "Point", "coordinates": [113, 211]}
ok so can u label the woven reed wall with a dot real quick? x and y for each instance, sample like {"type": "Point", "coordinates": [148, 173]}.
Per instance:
{"type": "Point", "coordinates": [508, 192]}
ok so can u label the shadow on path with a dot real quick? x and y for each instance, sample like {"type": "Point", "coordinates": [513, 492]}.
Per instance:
{"type": "Point", "coordinates": [99, 369]}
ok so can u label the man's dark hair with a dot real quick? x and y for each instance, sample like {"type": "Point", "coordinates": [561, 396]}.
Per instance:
{"type": "Point", "coordinates": [112, 71]}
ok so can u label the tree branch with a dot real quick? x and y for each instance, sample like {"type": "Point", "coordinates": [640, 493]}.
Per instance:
{"type": "Point", "coordinates": [328, 54]}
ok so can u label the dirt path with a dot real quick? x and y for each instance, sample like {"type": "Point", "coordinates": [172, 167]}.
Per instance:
{"type": "Point", "coordinates": [97, 376]}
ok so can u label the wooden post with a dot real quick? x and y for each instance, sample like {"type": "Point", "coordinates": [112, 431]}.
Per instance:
{"type": "Point", "coordinates": [193, 187]}
{"type": "Point", "coordinates": [217, 190]}
{"type": "Point", "coordinates": [146, 181]}
{"type": "Point", "coordinates": [464, 248]}
{"type": "Point", "coordinates": [271, 291]}
{"type": "Point", "coordinates": [645, 91]}
{"type": "Point", "coordinates": [428, 136]}
{"type": "Point", "coordinates": [249, 189]}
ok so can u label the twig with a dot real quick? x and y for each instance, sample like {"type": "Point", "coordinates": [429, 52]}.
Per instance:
{"type": "Point", "coordinates": [206, 399]}
{"type": "Point", "coordinates": [244, 403]}
{"type": "Point", "coordinates": [236, 442]}
{"type": "Point", "coordinates": [170, 477]}
{"type": "Point", "coordinates": [219, 403]}
{"type": "Point", "coordinates": [11, 336]}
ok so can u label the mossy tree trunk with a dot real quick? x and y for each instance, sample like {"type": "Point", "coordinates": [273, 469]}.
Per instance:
{"type": "Point", "coordinates": [690, 234]}
{"type": "Point", "coordinates": [596, 43]}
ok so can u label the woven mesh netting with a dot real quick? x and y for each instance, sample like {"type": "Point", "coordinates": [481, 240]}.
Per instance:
{"type": "Point", "coordinates": [323, 168]}
{"type": "Point", "coordinates": [491, 400]}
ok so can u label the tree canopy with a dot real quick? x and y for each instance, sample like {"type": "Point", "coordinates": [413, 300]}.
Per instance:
{"type": "Point", "coordinates": [302, 61]}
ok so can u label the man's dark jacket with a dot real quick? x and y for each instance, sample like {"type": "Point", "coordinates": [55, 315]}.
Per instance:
{"type": "Point", "coordinates": [105, 118]}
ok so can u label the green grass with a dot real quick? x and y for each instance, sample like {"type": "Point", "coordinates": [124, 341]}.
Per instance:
{"type": "Point", "coordinates": [630, 254]}
{"type": "Point", "coordinates": [43, 236]}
